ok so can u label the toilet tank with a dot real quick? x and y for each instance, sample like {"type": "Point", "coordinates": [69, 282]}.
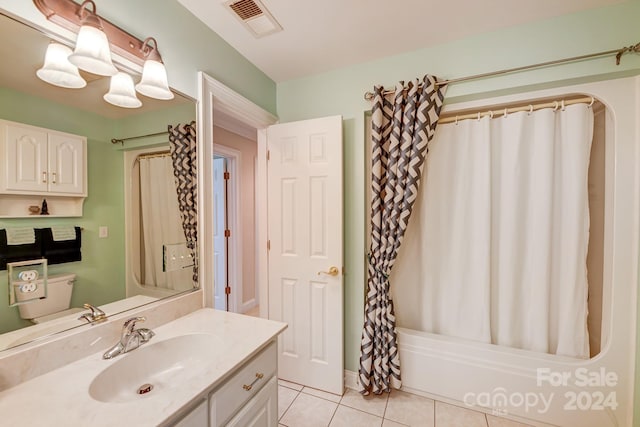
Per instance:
{"type": "Point", "coordinates": [59, 288]}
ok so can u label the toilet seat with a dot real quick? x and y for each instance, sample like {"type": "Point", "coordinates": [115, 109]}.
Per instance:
{"type": "Point", "coordinates": [57, 315]}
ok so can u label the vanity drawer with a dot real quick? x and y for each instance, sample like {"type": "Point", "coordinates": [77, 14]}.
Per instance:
{"type": "Point", "coordinates": [229, 398]}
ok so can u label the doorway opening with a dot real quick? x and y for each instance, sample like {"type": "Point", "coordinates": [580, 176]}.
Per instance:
{"type": "Point", "coordinates": [234, 229]}
{"type": "Point", "coordinates": [221, 288]}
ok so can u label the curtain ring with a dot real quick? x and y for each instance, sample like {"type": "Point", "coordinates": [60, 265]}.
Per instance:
{"type": "Point", "coordinates": [490, 114]}
{"type": "Point", "coordinates": [530, 110]}
{"type": "Point", "coordinates": [555, 106]}
{"type": "Point", "coordinates": [478, 115]}
{"type": "Point", "coordinates": [505, 113]}
{"type": "Point", "coordinates": [562, 105]}
{"type": "Point", "coordinates": [591, 103]}
{"type": "Point", "coordinates": [456, 120]}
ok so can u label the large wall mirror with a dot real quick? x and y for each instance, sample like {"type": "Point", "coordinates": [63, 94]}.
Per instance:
{"type": "Point", "coordinates": [130, 217]}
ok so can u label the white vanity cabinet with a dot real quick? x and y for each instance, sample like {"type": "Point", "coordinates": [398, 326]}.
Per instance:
{"type": "Point", "coordinates": [249, 397]}
{"type": "Point", "coordinates": [40, 163]}
{"type": "Point", "coordinates": [208, 368]}
{"type": "Point", "coordinates": [243, 388]}
{"type": "Point", "coordinates": [196, 417]}
{"type": "Point", "coordinates": [261, 410]}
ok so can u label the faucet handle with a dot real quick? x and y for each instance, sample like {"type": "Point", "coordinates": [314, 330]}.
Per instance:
{"type": "Point", "coordinates": [95, 311]}
{"type": "Point", "coordinates": [130, 324]}
{"type": "Point", "coordinates": [95, 316]}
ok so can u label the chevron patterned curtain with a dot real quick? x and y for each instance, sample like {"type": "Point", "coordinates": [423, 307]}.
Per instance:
{"type": "Point", "coordinates": [182, 143]}
{"type": "Point", "coordinates": [401, 129]}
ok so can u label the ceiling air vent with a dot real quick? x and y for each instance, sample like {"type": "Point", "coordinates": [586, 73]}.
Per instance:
{"type": "Point", "coordinates": [254, 16]}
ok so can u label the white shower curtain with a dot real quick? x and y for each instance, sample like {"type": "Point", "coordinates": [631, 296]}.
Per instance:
{"type": "Point", "coordinates": [496, 251]}
{"type": "Point", "coordinates": [160, 222]}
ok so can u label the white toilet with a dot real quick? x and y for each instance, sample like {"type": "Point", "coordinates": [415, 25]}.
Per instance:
{"type": "Point", "coordinates": [55, 305]}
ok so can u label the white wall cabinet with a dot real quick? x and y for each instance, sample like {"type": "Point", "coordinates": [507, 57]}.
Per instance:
{"type": "Point", "coordinates": [40, 163]}
{"type": "Point", "coordinates": [249, 397]}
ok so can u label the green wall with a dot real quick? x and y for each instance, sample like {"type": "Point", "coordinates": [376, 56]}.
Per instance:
{"type": "Point", "coordinates": [101, 273]}
{"type": "Point", "coordinates": [340, 92]}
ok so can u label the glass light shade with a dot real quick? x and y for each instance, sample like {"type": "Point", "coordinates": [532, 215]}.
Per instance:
{"type": "Point", "coordinates": [57, 70]}
{"type": "Point", "coordinates": [154, 83]}
{"type": "Point", "coordinates": [92, 52]}
{"type": "Point", "coordinates": [121, 92]}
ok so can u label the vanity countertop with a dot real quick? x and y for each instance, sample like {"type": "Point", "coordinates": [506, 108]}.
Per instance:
{"type": "Point", "coordinates": [61, 397]}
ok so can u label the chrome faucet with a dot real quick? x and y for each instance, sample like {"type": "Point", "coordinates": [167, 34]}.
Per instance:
{"type": "Point", "coordinates": [130, 338]}
{"type": "Point", "coordinates": [95, 316]}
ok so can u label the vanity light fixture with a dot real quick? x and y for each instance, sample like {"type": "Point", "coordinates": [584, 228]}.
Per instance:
{"type": "Point", "coordinates": [92, 53]}
{"type": "Point", "coordinates": [97, 40]}
{"type": "Point", "coordinates": [121, 92]}
{"type": "Point", "coordinates": [57, 70]}
{"type": "Point", "coordinates": [154, 81]}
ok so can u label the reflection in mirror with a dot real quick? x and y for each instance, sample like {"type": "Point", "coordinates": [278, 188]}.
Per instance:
{"type": "Point", "coordinates": [120, 268]}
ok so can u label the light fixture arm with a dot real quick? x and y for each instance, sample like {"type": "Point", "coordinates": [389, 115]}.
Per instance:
{"type": "Point", "coordinates": [150, 52]}
{"type": "Point", "coordinates": [71, 15]}
{"type": "Point", "coordinates": [83, 10]}
{"type": "Point", "coordinates": [89, 18]}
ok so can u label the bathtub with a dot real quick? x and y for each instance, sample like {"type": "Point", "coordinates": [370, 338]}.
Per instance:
{"type": "Point", "coordinates": [545, 389]}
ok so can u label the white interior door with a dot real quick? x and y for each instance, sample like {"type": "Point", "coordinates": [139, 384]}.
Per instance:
{"type": "Point", "coordinates": [219, 244]}
{"type": "Point", "coordinates": [305, 256]}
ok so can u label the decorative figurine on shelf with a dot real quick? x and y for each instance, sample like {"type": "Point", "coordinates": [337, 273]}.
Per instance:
{"type": "Point", "coordinates": [44, 210]}
{"type": "Point", "coordinates": [34, 210]}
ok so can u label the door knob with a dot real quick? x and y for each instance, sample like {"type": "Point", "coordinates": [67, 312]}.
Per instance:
{"type": "Point", "coordinates": [333, 271]}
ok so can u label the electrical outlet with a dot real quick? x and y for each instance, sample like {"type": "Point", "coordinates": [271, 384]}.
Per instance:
{"type": "Point", "coordinates": [103, 231]}
{"type": "Point", "coordinates": [28, 275]}
{"type": "Point", "coordinates": [28, 287]}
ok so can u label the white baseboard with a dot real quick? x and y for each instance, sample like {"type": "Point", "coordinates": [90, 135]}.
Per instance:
{"type": "Point", "coordinates": [351, 380]}
{"type": "Point", "coordinates": [247, 306]}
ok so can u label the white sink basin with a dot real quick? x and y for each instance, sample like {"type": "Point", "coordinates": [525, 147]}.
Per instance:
{"type": "Point", "coordinates": [163, 365]}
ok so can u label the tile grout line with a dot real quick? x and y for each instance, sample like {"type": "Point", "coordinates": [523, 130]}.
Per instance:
{"type": "Point", "coordinates": [320, 397]}
{"type": "Point", "coordinates": [386, 404]}
{"type": "Point", "coordinates": [294, 399]}
{"type": "Point", "coordinates": [434, 413]}
{"type": "Point", "coordinates": [361, 410]}
{"type": "Point", "coordinates": [334, 413]}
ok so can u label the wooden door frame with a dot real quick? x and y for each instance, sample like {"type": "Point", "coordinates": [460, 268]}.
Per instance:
{"type": "Point", "coordinates": [216, 97]}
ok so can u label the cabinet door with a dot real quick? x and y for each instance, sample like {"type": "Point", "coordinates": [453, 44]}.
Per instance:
{"type": "Point", "coordinates": [197, 417]}
{"type": "Point", "coordinates": [26, 159]}
{"type": "Point", "coordinates": [66, 164]}
{"type": "Point", "coordinates": [261, 410]}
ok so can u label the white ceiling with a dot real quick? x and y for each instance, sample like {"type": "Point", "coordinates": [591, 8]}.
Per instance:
{"type": "Point", "coordinates": [321, 35]}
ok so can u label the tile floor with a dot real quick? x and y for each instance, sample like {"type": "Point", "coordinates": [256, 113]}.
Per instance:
{"type": "Point", "coordinates": [300, 406]}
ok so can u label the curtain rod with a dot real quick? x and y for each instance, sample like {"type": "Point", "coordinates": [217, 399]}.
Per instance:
{"type": "Point", "coordinates": [121, 141]}
{"type": "Point", "coordinates": [153, 155]}
{"type": "Point", "coordinates": [619, 52]}
{"type": "Point", "coordinates": [503, 112]}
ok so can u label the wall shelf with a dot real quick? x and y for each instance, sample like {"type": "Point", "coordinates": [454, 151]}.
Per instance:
{"type": "Point", "coordinates": [17, 205]}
